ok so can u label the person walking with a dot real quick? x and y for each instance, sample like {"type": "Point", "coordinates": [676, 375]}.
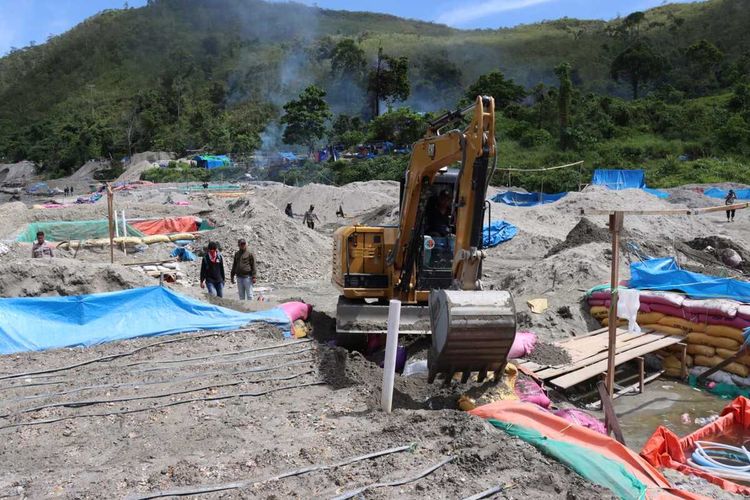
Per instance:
{"type": "Point", "coordinates": [729, 200]}
{"type": "Point", "coordinates": [243, 269]}
{"type": "Point", "coordinates": [310, 218]}
{"type": "Point", "coordinates": [41, 248]}
{"type": "Point", "coordinates": [212, 270]}
{"type": "Point", "coordinates": [288, 210]}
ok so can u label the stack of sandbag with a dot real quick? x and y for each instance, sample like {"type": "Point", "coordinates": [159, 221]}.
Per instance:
{"type": "Point", "coordinates": [712, 327]}
{"type": "Point", "coordinates": [127, 241]}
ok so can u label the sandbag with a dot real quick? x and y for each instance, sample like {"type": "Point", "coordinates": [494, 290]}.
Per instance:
{"type": "Point", "coordinates": [523, 344]}
{"type": "Point", "coordinates": [128, 240]}
{"type": "Point", "coordinates": [737, 322]}
{"type": "Point", "coordinates": [601, 295]}
{"type": "Point", "coordinates": [727, 353]}
{"type": "Point", "coordinates": [668, 310]}
{"type": "Point", "coordinates": [596, 302]}
{"type": "Point", "coordinates": [664, 329]}
{"type": "Point", "coordinates": [529, 391]}
{"type": "Point", "coordinates": [665, 298]}
{"type": "Point", "coordinates": [735, 368]}
{"type": "Point", "coordinates": [671, 362]}
{"type": "Point", "coordinates": [649, 318]}
{"type": "Point", "coordinates": [100, 242]}
{"type": "Point", "coordinates": [702, 350]}
{"type": "Point", "coordinates": [599, 312]}
{"type": "Point", "coordinates": [713, 341]}
{"type": "Point", "coordinates": [156, 238]}
{"type": "Point", "coordinates": [744, 311]}
{"type": "Point", "coordinates": [620, 322]}
{"type": "Point", "coordinates": [181, 236]}
{"type": "Point", "coordinates": [682, 324]}
{"type": "Point", "coordinates": [726, 332]}
{"type": "Point", "coordinates": [715, 307]}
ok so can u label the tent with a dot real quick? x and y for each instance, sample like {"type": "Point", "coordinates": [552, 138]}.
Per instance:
{"type": "Point", "coordinates": [517, 199]}
{"type": "Point", "coordinates": [38, 323]}
{"type": "Point", "coordinates": [212, 161]}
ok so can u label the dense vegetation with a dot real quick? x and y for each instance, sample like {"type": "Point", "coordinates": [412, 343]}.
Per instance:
{"type": "Point", "coordinates": [666, 89]}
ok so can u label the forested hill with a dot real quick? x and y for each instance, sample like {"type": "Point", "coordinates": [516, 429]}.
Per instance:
{"type": "Point", "coordinates": [189, 74]}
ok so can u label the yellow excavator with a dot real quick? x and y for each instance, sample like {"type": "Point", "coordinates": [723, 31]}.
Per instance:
{"type": "Point", "coordinates": [432, 261]}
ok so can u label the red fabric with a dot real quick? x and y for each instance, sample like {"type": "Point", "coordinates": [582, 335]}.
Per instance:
{"type": "Point", "coordinates": [166, 226]}
{"type": "Point", "coordinates": [553, 427]}
{"type": "Point", "coordinates": [665, 449]}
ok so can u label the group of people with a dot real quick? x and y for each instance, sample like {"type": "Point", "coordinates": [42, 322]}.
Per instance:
{"type": "Point", "coordinates": [310, 216]}
{"type": "Point", "coordinates": [243, 271]}
{"type": "Point", "coordinates": [68, 190]}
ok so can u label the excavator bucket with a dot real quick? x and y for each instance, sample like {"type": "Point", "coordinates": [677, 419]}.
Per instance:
{"type": "Point", "coordinates": [472, 331]}
{"type": "Point", "coordinates": [358, 317]}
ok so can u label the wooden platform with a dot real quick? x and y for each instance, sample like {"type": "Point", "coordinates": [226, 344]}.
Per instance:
{"type": "Point", "coordinates": [588, 355]}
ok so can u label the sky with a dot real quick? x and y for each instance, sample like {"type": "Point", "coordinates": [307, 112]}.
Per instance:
{"type": "Point", "coordinates": [25, 21]}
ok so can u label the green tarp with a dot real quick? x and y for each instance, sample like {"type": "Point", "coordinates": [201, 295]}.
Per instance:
{"type": "Point", "coordinates": [71, 230]}
{"type": "Point", "coordinates": [592, 466]}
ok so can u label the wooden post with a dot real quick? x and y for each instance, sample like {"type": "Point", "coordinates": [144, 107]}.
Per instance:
{"type": "Point", "coordinates": [110, 206]}
{"type": "Point", "coordinates": [610, 417]}
{"type": "Point", "coordinates": [615, 226]}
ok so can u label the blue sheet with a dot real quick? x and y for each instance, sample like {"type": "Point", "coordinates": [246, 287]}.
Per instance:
{"type": "Point", "coordinates": [619, 179]}
{"type": "Point", "coordinates": [38, 323]}
{"type": "Point", "coordinates": [742, 194]}
{"type": "Point", "coordinates": [497, 232]}
{"type": "Point", "coordinates": [666, 274]}
{"type": "Point", "coordinates": [526, 199]}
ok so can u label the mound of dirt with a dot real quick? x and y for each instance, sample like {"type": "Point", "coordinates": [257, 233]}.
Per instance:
{"type": "Point", "coordinates": [13, 217]}
{"type": "Point", "coordinates": [63, 277]}
{"type": "Point", "coordinates": [22, 172]}
{"type": "Point", "coordinates": [141, 162]}
{"type": "Point", "coordinates": [584, 232]}
{"type": "Point", "coordinates": [285, 249]}
{"type": "Point", "coordinates": [355, 199]}
{"type": "Point", "coordinates": [88, 169]}
{"type": "Point", "coordinates": [692, 198]}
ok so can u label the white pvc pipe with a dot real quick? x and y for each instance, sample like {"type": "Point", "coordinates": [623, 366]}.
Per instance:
{"type": "Point", "coordinates": [124, 225]}
{"type": "Point", "coordinates": [391, 346]}
{"type": "Point", "coordinates": [117, 226]}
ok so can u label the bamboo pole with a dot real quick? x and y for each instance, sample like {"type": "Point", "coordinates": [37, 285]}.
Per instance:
{"type": "Point", "coordinates": [615, 226]}
{"type": "Point", "coordinates": [110, 206]}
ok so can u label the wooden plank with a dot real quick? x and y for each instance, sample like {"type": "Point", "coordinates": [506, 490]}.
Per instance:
{"type": "Point", "coordinates": [678, 211]}
{"type": "Point", "coordinates": [586, 373]}
{"type": "Point", "coordinates": [610, 417]}
{"type": "Point", "coordinates": [639, 340]}
{"type": "Point", "coordinates": [593, 349]}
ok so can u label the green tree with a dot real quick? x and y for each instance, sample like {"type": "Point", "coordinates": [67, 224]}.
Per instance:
{"type": "Point", "coordinates": [348, 130]}
{"type": "Point", "coordinates": [494, 84]}
{"type": "Point", "coordinates": [704, 60]}
{"type": "Point", "coordinates": [402, 126]}
{"type": "Point", "coordinates": [348, 60]}
{"type": "Point", "coordinates": [388, 81]}
{"type": "Point", "coordinates": [637, 64]}
{"type": "Point", "coordinates": [306, 117]}
{"type": "Point", "coordinates": [564, 102]}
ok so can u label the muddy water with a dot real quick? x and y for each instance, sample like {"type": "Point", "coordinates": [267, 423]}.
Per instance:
{"type": "Point", "coordinates": [664, 402]}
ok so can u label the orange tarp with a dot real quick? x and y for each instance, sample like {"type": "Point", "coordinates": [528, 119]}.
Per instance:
{"type": "Point", "coordinates": [166, 226]}
{"type": "Point", "coordinates": [553, 427]}
{"type": "Point", "coordinates": [665, 449]}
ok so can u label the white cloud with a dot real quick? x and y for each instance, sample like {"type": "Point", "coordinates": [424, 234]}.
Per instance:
{"type": "Point", "coordinates": [467, 13]}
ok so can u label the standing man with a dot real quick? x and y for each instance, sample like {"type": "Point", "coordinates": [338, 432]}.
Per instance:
{"type": "Point", "coordinates": [729, 200]}
{"type": "Point", "coordinates": [40, 248]}
{"type": "Point", "coordinates": [243, 268]}
{"type": "Point", "coordinates": [310, 218]}
{"type": "Point", "coordinates": [288, 210]}
{"type": "Point", "coordinates": [212, 270]}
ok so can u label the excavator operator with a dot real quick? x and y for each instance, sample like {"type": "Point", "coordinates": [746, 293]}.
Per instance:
{"type": "Point", "coordinates": [439, 215]}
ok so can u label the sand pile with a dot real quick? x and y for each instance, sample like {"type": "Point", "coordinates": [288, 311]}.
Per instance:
{"type": "Point", "coordinates": [141, 162]}
{"type": "Point", "coordinates": [356, 198]}
{"type": "Point", "coordinates": [584, 232]}
{"type": "Point", "coordinates": [23, 171]}
{"type": "Point", "coordinates": [284, 248]}
{"type": "Point", "coordinates": [692, 198]}
{"type": "Point", "coordinates": [88, 169]}
{"type": "Point", "coordinates": [52, 277]}
{"type": "Point", "coordinates": [13, 217]}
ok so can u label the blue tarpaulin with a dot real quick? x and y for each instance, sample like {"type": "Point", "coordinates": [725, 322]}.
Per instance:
{"type": "Point", "coordinates": [624, 179]}
{"type": "Point", "coordinates": [38, 323]}
{"type": "Point", "coordinates": [619, 179]}
{"type": "Point", "coordinates": [497, 232]}
{"type": "Point", "coordinates": [526, 199]}
{"type": "Point", "coordinates": [742, 194]}
{"type": "Point", "coordinates": [212, 161]}
{"type": "Point", "coordinates": [666, 274]}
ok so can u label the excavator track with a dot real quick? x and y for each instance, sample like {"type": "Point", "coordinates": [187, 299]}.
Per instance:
{"type": "Point", "coordinates": [472, 331]}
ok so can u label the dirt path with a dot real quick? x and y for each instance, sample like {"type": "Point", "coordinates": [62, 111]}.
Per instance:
{"type": "Point", "coordinates": [210, 408]}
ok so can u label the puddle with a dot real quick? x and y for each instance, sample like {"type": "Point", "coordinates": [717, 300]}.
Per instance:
{"type": "Point", "coordinates": [664, 402]}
